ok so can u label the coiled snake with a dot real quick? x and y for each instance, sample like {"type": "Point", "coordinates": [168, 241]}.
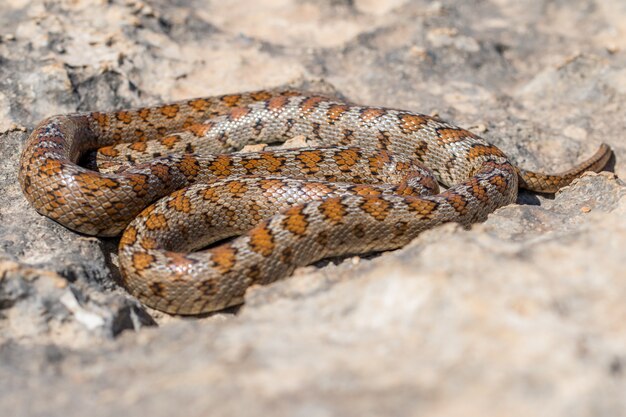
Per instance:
{"type": "Point", "coordinates": [371, 186]}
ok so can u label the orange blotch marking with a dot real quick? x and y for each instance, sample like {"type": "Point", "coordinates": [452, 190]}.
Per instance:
{"type": "Point", "coordinates": [140, 135]}
{"type": "Point", "coordinates": [336, 111]}
{"type": "Point", "coordinates": [237, 188]}
{"type": "Point", "coordinates": [446, 136]}
{"type": "Point", "coordinates": [412, 122]}
{"type": "Point", "coordinates": [251, 165]}
{"type": "Point", "coordinates": [423, 208]}
{"type": "Point", "coordinates": [223, 257]}
{"type": "Point", "coordinates": [402, 166]}
{"type": "Point", "coordinates": [316, 188]}
{"type": "Point", "coordinates": [148, 210]}
{"type": "Point", "coordinates": [478, 151]}
{"type": "Point", "coordinates": [189, 166]}
{"type": "Point", "coordinates": [277, 103]}
{"type": "Point", "coordinates": [156, 221]}
{"type": "Point", "coordinates": [261, 240]}
{"type": "Point", "coordinates": [271, 162]}
{"type": "Point", "coordinates": [370, 114]}
{"type": "Point", "coordinates": [272, 187]}
{"type": "Point", "coordinates": [129, 237]}
{"type": "Point", "coordinates": [178, 262]}
{"type": "Point", "coordinates": [238, 113]}
{"type": "Point", "coordinates": [295, 221]}
{"type": "Point", "coordinates": [124, 116]}
{"type": "Point", "coordinates": [138, 146]}
{"type": "Point", "coordinates": [138, 181]}
{"type": "Point", "coordinates": [346, 159]}
{"type": "Point", "coordinates": [366, 190]}
{"type": "Point", "coordinates": [148, 243]}
{"type": "Point", "coordinates": [310, 159]}
{"type": "Point", "coordinates": [188, 122]}
{"type": "Point", "coordinates": [199, 104]}
{"type": "Point", "coordinates": [101, 118]}
{"type": "Point", "coordinates": [106, 165]}
{"type": "Point", "coordinates": [180, 202]}
{"type": "Point", "coordinates": [261, 95]}
{"type": "Point", "coordinates": [254, 210]}
{"type": "Point", "coordinates": [170, 111]}
{"type": "Point", "coordinates": [142, 260]}
{"type": "Point", "coordinates": [209, 194]}
{"type": "Point", "coordinates": [499, 182]}
{"type": "Point", "coordinates": [271, 184]}
{"type": "Point", "coordinates": [222, 166]}
{"type": "Point", "coordinates": [376, 207]}
{"type": "Point", "coordinates": [230, 215]}
{"type": "Point", "coordinates": [231, 100]}
{"type": "Point", "coordinates": [310, 103]}
{"type": "Point", "coordinates": [169, 141]}
{"type": "Point", "coordinates": [333, 209]}
{"type": "Point", "coordinates": [199, 129]}
{"type": "Point", "coordinates": [479, 191]}
{"type": "Point", "coordinates": [162, 172]}
{"type": "Point", "coordinates": [378, 162]}
{"type": "Point", "coordinates": [144, 114]}
{"type": "Point", "coordinates": [457, 201]}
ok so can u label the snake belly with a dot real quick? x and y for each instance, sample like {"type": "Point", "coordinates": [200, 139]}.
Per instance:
{"type": "Point", "coordinates": [168, 179]}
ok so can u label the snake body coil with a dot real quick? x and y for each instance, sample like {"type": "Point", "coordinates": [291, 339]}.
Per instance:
{"type": "Point", "coordinates": [371, 186]}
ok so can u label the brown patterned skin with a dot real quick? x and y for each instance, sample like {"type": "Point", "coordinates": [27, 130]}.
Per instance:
{"type": "Point", "coordinates": [371, 186]}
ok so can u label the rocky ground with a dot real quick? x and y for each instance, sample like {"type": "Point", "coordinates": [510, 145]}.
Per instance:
{"type": "Point", "coordinates": [522, 315]}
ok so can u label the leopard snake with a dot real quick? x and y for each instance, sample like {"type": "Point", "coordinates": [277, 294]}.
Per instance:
{"type": "Point", "coordinates": [166, 178]}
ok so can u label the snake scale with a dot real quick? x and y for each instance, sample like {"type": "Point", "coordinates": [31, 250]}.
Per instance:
{"type": "Point", "coordinates": [166, 177]}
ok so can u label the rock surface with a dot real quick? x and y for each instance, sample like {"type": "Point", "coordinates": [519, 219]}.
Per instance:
{"type": "Point", "coordinates": [521, 315]}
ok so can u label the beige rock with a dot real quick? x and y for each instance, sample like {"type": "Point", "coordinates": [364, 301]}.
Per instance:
{"type": "Point", "coordinates": [521, 315]}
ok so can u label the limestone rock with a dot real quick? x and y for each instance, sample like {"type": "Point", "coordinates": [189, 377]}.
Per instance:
{"type": "Point", "coordinates": [521, 315]}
